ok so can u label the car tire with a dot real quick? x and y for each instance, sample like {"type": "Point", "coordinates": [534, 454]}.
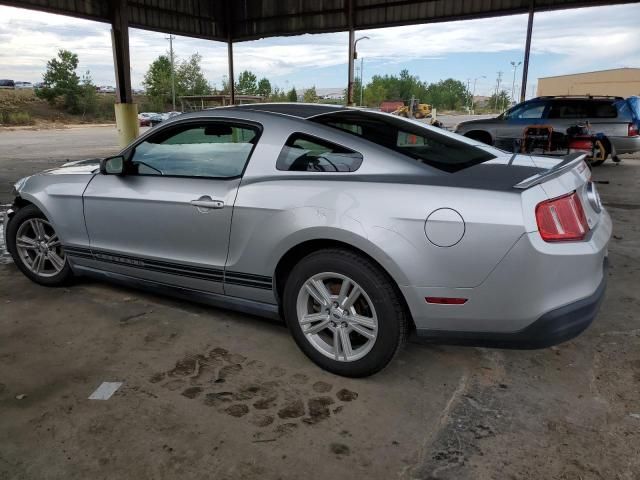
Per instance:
{"type": "Point", "coordinates": [374, 310]}
{"type": "Point", "coordinates": [480, 136]}
{"type": "Point", "coordinates": [36, 249]}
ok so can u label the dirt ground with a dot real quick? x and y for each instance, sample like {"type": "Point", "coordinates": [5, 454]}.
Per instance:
{"type": "Point", "coordinates": [212, 394]}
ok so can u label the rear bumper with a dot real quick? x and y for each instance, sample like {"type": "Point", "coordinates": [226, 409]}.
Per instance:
{"type": "Point", "coordinates": [625, 144]}
{"type": "Point", "coordinates": [552, 328]}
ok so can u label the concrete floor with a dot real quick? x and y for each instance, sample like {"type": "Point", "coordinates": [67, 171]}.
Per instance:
{"type": "Point", "coordinates": [212, 394]}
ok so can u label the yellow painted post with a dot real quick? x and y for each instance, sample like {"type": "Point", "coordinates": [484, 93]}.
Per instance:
{"type": "Point", "coordinates": [127, 122]}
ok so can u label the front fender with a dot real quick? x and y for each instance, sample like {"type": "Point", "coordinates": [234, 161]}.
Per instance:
{"type": "Point", "coordinates": [59, 198]}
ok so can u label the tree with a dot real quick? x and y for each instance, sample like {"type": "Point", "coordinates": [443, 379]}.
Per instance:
{"type": "Point", "coordinates": [247, 83]}
{"type": "Point", "coordinates": [292, 95]}
{"type": "Point", "coordinates": [278, 95]}
{"type": "Point", "coordinates": [157, 82]}
{"type": "Point", "coordinates": [190, 78]}
{"type": "Point", "coordinates": [310, 95]}
{"type": "Point", "coordinates": [61, 80]}
{"type": "Point", "coordinates": [87, 97]}
{"type": "Point", "coordinates": [374, 95]}
{"type": "Point", "coordinates": [499, 102]}
{"type": "Point", "coordinates": [449, 94]}
{"type": "Point", "coordinates": [264, 87]}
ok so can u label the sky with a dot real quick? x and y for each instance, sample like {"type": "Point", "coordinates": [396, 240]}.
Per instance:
{"type": "Point", "coordinates": [567, 41]}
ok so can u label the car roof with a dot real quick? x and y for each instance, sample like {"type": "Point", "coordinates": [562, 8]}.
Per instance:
{"type": "Point", "coordinates": [300, 110]}
{"type": "Point", "coordinates": [578, 97]}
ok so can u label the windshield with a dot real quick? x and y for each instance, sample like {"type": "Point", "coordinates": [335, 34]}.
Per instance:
{"type": "Point", "coordinates": [420, 143]}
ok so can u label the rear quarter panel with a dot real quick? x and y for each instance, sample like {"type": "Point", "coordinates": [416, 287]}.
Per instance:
{"type": "Point", "coordinates": [384, 220]}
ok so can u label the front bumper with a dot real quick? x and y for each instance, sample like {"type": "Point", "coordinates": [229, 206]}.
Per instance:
{"type": "Point", "coordinates": [552, 328]}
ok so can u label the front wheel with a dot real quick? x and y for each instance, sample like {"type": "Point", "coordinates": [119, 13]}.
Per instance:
{"type": "Point", "coordinates": [36, 248]}
{"type": "Point", "coordinates": [344, 312]}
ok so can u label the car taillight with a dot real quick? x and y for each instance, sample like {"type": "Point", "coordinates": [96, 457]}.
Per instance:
{"type": "Point", "coordinates": [562, 219]}
{"type": "Point", "coordinates": [633, 130]}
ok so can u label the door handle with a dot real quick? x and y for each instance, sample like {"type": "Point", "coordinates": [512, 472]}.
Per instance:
{"type": "Point", "coordinates": [207, 202]}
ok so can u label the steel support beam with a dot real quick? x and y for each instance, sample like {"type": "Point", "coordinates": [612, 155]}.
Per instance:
{"type": "Point", "coordinates": [352, 50]}
{"type": "Point", "coordinates": [120, 44]}
{"type": "Point", "coordinates": [527, 51]}
{"type": "Point", "coordinates": [125, 110]}
{"type": "Point", "coordinates": [229, 14]}
{"type": "Point", "coordinates": [232, 89]}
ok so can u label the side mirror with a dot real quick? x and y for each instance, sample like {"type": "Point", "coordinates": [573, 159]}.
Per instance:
{"type": "Point", "coordinates": [112, 165]}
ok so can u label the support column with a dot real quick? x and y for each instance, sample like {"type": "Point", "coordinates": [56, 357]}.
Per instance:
{"type": "Point", "coordinates": [232, 89]}
{"type": "Point", "coordinates": [229, 14]}
{"type": "Point", "coordinates": [126, 111]}
{"type": "Point", "coordinates": [352, 34]}
{"type": "Point", "coordinates": [527, 50]}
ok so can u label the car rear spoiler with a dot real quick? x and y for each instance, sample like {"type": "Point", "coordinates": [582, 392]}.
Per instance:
{"type": "Point", "coordinates": [568, 162]}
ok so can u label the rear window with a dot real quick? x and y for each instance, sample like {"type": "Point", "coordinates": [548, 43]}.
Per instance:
{"type": "Point", "coordinates": [419, 143]}
{"type": "Point", "coordinates": [572, 109]}
{"type": "Point", "coordinates": [305, 153]}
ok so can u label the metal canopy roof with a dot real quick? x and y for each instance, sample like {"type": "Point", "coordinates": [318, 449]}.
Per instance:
{"type": "Point", "coordinates": [239, 20]}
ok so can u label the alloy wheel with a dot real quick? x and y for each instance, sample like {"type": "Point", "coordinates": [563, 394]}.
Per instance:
{"type": "Point", "coordinates": [337, 316]}
{"type": "Point", "coordinates": [39, 247]}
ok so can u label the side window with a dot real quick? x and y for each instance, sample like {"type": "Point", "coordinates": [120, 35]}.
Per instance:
{"type": "Point", "coordinates": [570, 109]}
{"type": "Point", "coordinates": [527, 111]}
{"type": "Point", "coordinates": [213, 149]}
{"type": "Point", "coordinates": [304, 153]}
{"type": "Point", "coordinates": [347, 127]}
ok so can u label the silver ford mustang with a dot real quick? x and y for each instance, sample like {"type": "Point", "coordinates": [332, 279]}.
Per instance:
{"type": "Point", "coordinates": [356, 227]}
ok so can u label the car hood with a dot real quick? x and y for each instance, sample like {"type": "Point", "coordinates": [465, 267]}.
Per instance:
{"type": "Point", "coordinates": [480, 121]}
{"type": "Point", "coordinates": [78, 167]}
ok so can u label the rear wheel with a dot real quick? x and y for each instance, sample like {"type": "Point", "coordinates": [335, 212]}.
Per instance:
{"type": "Point", "coordinates": [480, 136]}
{"type": "Point", "coordinates": [36, 248]}
{"type": "Point", "coordinates": [344, 312]}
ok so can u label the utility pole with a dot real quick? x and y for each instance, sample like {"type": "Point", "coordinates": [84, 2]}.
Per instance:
{"type": "Point", "coordinates": [498, 80]}
{"type": "Point", "coordinates": [469, 100]}
{"type": "Point", "coordinates": [473, 95]}
{"type": "Point", "coordinates": [513, 84]}
{"type": "Point", "coordinates": [173, 75]}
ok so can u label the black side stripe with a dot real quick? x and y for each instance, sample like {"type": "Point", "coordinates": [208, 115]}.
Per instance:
{"type": "Point", "coordinates": [78, 252]}
{"type": "Point", "coordinates": [201, 273]}
{"type": "Point", "coordinates": [248, 280]}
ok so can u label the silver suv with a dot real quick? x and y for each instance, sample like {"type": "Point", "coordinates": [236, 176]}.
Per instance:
{"type": "Point", "coordinates": [618, 119]}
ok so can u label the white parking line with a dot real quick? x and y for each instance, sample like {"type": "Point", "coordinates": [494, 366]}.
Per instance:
{"type": "Point", "coordinates": [105, 390]}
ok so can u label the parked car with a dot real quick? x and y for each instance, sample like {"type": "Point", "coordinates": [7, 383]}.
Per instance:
{"type": "Point", "coordinates": [23, 85]}
{"type": "Point", "coordinates": [354, 226]}
{"type": "Point", "coordinates": [145, 118]}
{"type": "Point", "coordinates": [614, 117]}
{"type": "Point", "coordinates": [105, 89]}
{"type": "Point", "coordinates": [7, 84]}
{"type": "Point", "coordinates": [161, 117]}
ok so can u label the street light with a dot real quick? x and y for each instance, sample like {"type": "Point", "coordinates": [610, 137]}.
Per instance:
{"type": "Point", "coordinates": [513, 84]}
{"type": "Point", "coordinates": [474, 90]}
{"type": "Point", "coordinates": [173, 75]}
{"type": "Point", "coordinates": [355, 56]}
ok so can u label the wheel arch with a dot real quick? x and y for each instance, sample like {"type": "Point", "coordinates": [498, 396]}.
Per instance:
{"type": "Point", "coordinates": [24, 199]}
{"type": "Point", "coordinates": [480, 135]}
{"type": "Point", "coordinates": [296, 253]}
